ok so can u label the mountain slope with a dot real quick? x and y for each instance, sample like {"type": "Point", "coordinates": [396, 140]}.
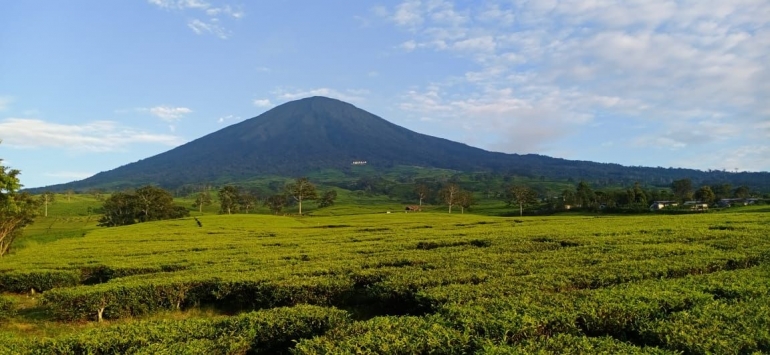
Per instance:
{"type": "Point", "coordinates": [321, 133]}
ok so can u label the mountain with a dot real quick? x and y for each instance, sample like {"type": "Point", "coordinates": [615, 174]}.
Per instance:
{"type": "Point", "coordinates": [322, 133]}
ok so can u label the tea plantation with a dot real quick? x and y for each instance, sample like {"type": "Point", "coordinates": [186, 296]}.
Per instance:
{"type": "Point", "coordinates": [395, 284]}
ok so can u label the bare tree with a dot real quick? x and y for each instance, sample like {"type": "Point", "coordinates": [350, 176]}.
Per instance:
{"type": "Point", "coordinates": [450, 194]}
{"type": "Point", "coordinates": [47, 198]}
{"type": "Point", "coordinates": [301, 190]}
{"type": "Point", "coordinates": [422, 192]}
{"type": "Point", "coordinates": [465, 200]}
{"type": "Point", "coordinates": [522, 196]}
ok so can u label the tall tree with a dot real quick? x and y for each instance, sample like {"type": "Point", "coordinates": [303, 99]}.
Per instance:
{"type": "Point", "coordinates": [450, 194]}
{"type": "Point", "coordinates": [682, 189]}
{"type": "Point", "coordinates": [522, 196]}
{"type": "Point", "coordinates": [275, 203]}
{"type": "Point", "coordinates": [47, 198]}
{"type": "Point", "coordinates": [302, 189]}
{"type": "Point", "coordinates": [228, 199]}
{"type": "Point", "coordinates": [422, 192]}
{"type": "Point", "coordinates": [584, 195]}
{"type": "Point", "coordinates": [69, 193]}
{"type": "Point", "coordinates": [722, 191]}
{"type": "Point", "coordinates": [705, 195]}
{"type": "Point", "coordinates": [154, 203]}
{"type": "Point", "coordinates": [17, 209]}
{"type": "Point", "coordinates": [202, 199]}
{"type": "Point", "coordinates": [327, 198]}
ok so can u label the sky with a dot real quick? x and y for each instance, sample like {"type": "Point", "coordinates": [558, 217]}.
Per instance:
{"type": "Point", "coordinates": [88, 86]}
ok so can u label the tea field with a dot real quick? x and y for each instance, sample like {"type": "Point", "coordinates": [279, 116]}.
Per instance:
{"type": "Point", "coordinates": [395, 284]}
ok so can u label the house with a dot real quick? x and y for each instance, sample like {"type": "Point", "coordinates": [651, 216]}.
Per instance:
{"type": "Point", "coordinates": [659, 205]}
{"type": "Point", "coordinates": [412, 208]}
{"type": "Point", "coordinates": [697, 205]}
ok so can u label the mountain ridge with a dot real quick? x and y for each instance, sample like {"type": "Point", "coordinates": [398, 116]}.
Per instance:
{"type": "Point", "coordinates": [316, 133]}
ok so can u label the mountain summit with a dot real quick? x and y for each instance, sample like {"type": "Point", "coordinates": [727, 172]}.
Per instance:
{"type": "Point", "coordinates": [323, 133]}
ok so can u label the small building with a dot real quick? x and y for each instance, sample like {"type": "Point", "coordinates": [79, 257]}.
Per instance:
{"type": "Point", "coordinates": [659, 205]}
{"type": "Point", "coordinates": [697, 205]}
{"type": "Point", "coordinates": [359, 162]}
{"type": "Point", "coordinates": [412, 208]}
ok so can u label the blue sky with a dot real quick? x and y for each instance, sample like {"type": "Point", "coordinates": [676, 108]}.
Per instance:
{"type": "Point", "coordinates": [87, 86]}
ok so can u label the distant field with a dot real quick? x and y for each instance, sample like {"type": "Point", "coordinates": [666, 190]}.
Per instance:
{"type": "Point", "coordinates": [391, 283]}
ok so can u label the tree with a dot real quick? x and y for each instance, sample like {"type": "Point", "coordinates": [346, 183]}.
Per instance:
{"type": "Point", "coordinates": [722, 190]}
{"type": "Point", "coordinates": [465, 200]}
{"type": "Point", "coordinates": [248, 199]}
{"type": "Point", "coordinates": [148, 203]}
{"type": "Point", "coordinates": [422, 192]}
{"type": "Point", "coordinates": [682, 189]}
{"type": "Point", "coordinates": [154, 204]}
{"type": "Point", "coordinates": [301, 190]}
{"type": "Point", "coordinates": [17, 210]}
{"type": "Point", "coordinates": [97, 194]}
{"type": "Point", "coordinates": [275, 203]}
{"type": "Point", "coordinates": [327, 198]}
{"type": "Point", "coordinates": [202, 199]}
{"type": "Point", "coordinates": [228, 199]}
{"type": "Point", "coordinates": [522, 196]}
{"type": "Point", "coordinates": [450, 194]}
{"type": "Point", "coordinates": [705, 195]}
{"type": "Point", "coordinates": [69, 193]}
{"type": "Point", "coordinates": [584, 196]}
{"type": "Point", "coordinates": [742, 192]}
{"type": "Point", "coordinates": [47, 198]}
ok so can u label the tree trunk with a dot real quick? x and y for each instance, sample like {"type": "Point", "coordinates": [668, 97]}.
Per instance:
{"type": "Point", "coordinates": [300, 206]}
{"type": "Point", "coordinates": [521, 209]}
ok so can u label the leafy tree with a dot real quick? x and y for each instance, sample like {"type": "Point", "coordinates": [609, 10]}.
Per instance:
{"type": "Point", "coordinates": [522, 196]}
{"type": "Point", "coordinates": [722, 191]}
{"type": "Point", "coordinates": [229, 197]}
{"type": "Point", "coordinates": [301, 190]}
{"type": "Point", "coordinates": [327, 198]}
{"type": "Point", "coordinates": [422, 192]}
{"type": "Point", "coordinates": [17, 209]}
{"type": "Point", "coordinates": [148, 203]}
{"type": "Point", "coordinates": [465, 200]}
{"type": "Point", "coordinates": [584, 196]}
{"type": "Point", "coordinates": [47, 198]}
{"type": "Point", "coordinates": [275, 203]}
{"type": "Point", "coordinates": [742, 192]}
{"type": "Point", "coordinates": [119, 209]}
{"type": "Point", "coordinates": [154, 204]}
{"type": "Point", "coordinates": [202, 199]}
{"type": "Point", "coordinates": [704, 194]}
{"type": "Point", "coordinates": [248, 199]}
{"type": "Point", "coordinates": [450, 194]}
{"type": "Point", "coordinates": [97, 194]}
{"type": "Point", "coordinates": [682, 189]}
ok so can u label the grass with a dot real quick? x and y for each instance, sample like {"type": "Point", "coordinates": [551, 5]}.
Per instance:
{"type": "Point", "coordinates": [512, 281]}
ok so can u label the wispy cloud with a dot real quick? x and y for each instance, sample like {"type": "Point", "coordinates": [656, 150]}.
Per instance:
{"type": "Point", "coordinates": [696, 71]}
{"type": "Point", "coordinates": [97, 136]}
{"type": "Point", "coordinates": [346, 95]}
{"type": "Point", "coordinates": [5, 102]}
{"type": "Point", "coordinates": [169, 113]}
{"type": "Point", "coordinates": [209, 16]}
{"type": "Point", "coordinates": [262, 103]}
{"type": "Point", "coordinates": [227, 118]}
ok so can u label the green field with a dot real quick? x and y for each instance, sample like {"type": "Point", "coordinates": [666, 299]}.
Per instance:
{"type": "Point", "coordinates": [390, 283]}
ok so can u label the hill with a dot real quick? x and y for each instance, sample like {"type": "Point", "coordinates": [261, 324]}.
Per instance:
{"type": "Point", "coordinates": [318, 133]}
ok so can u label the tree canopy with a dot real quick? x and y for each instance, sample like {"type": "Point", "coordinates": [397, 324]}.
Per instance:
{"type": "Point", "coordinates": [17, 210]}
{"type": "Point", "coordinates": [301, 189]}
{"type": "Point", "coordinates": [148, 203]}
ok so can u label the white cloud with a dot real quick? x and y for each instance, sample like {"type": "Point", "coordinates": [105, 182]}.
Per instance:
{"type": "Point", "coordinates": [224, 119]}
{"type": "Point", "coordinates": [347, 95]}
{"type": "Point", "coordinates": [5, 102]}
{"type": "Point", "coordinates": [696, 71]}
{"type": "Point", "coordinates": [262, 103]}
{"type": "Point", "coordinates": [208, 27]}
{"type": "Point", "coordinates": [214, 15]}
{"type": "Point", "coordinates": [168, 113]}
{"type": "Point", "coordinates": [97, 136]}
